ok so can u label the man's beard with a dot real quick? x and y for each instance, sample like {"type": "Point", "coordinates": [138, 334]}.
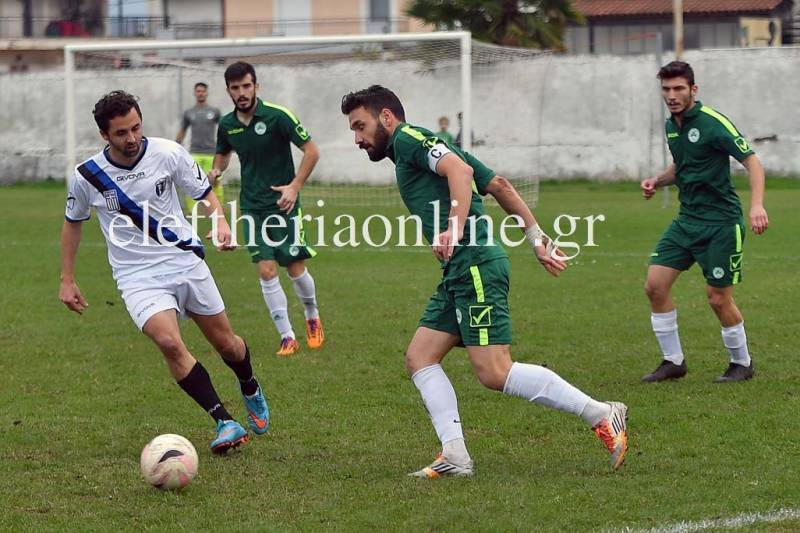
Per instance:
{"type": "Point", "coordinates": [247, 107]}
{"type": "Point", "coordinates": [129, 150]}
{"type": "Point", "coordinates": [377, 151]}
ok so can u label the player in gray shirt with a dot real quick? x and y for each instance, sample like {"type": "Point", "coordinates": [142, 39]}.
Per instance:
{"type": "Point", "coordinates": [203, 119]}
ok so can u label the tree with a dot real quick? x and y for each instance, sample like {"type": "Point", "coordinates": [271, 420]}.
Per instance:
{"type": "Point", "coordinates": [526, 23]}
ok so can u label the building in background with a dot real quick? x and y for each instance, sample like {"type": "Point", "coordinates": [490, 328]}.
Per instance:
{"type": "Point", "coordinates": [629, 27]}
{"type": "Point", "coordinates": [33, 32]}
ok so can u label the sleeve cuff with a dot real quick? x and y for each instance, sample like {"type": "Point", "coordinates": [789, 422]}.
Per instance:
{"type": "Point", "coordinates": [76, 220]}
{"type": "Point", "coordinates": [205, 193]}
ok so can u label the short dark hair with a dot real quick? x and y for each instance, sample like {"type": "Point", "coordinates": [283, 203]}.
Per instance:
{"type": "Point", "coordinates": [202, 84]}
{"type": "Point", "coordinates": [237, 71]}
{"type": "Point", "coordinates": [677, 69]}
{"type": "Point", "coordinates": [374, 98]}
{"type": "Point", "coordinates": [114, 104]}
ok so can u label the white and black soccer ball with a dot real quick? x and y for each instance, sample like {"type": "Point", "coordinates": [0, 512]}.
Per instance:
{"type": "Point", "coordinates": [169, 462]}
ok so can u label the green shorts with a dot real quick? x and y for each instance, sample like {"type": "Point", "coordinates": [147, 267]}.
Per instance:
{"type": "Point", "coordinates": [717, 249]}
{"type": "Point", "coordinates": [204, 161]}
{"type": "Point", "coordinates": [283, 247]}
{"type": "Point", "coordinates": [473, 306]}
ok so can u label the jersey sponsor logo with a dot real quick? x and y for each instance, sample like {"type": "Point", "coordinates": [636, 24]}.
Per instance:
{"type": "Point", "coordinates": [741, 143]}
{"type": "Point", "coordinates": [112, 202]}
{"type": "Point", "coordinates": [694, 135]}
{"type": "Point", "coordinates": [718, 272]}
{"type": "Point", "coordinates": [301, 132]}
{"type": "Point", "coordinates": [131, 176]}
{"type": "Point", "coordinates": [673, 135]}
{"type": "Point", "coordinates": [70, 202]}
{"type": "Point", "coordinates": [260, 128]}
{"type": "Point", "coordinates": [235, 131]}
{"type": "Point", "coordinates": [480, 316]}
{"type": "Point", "coordinates": [161, 186]}
{"type": "Point", "coordinates": [430, 142]}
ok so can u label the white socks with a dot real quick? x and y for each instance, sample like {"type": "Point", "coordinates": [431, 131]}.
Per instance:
{"type": "Point", "coordinates": [306, 291]}
{"type": "Point", "coordinates": [440, 401]}
{"type": "Point", "coordinates": [277, 305]}
{"type": "Point", "coordinates": [735, 340]}
{"type": "Point", "coordinates": [543, 386]}
{"type": "Point", "coordinates": [665, 326]}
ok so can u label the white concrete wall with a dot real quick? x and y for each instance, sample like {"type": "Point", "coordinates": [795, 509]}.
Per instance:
{"type": "Point", "coordinates": [558, 116]}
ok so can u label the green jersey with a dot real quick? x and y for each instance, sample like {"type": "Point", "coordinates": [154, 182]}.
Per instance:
{"type": "Point", "coordinates": [415, 153]}
{"type": "Point", "coordinates": [264, 152]}
{"type": "Point", "coordinates": [701, 148]}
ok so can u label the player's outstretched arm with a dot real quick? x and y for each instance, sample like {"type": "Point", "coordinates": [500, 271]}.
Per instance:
{"type": "Point", "coordinates": [759, 222]}
{"type": "Point", "coordinates": [512, 203]}
{"type": "Point", "coordinates": [649, 185]}
{"type": "Point", "coordinates": [69, 293]}
{"type": "Point", "coordinates": [289, 192]}
{"type": "Point", "coordinates": [218, 166]}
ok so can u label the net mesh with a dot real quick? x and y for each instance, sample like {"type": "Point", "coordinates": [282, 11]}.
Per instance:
{"type": "Point", "coordinates": [310, 80]}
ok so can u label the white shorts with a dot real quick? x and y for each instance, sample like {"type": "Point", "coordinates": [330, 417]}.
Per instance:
{"type": "Point", "coordinates": [193, 291]}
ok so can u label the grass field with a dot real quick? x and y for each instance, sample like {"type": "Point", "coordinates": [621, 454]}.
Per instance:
{"type": "Point", "coordinates": [80, 396]}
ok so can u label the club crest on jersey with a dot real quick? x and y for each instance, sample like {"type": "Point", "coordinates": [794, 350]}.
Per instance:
{"type": "Point", "coordinates": [112, 202]}
{"type": "Point", "coordinates": [260, 128]}
{"type": "Point", "coordinates": [210, 115]}
{"type": "Point", "coordinates": [161, 186]}
{"type": "Point", "coordinates": [694, 135]}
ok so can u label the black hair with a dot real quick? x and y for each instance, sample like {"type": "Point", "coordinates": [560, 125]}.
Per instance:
{"type": "Point", "coordinates": [202, 84]}
{"type": "Point", "coordinates": [374, 98]}
{"type": "Point", "coordinates": [114, 104]}
{"type": "Point", "coordinates": [677, 69]}
{"type": "Point", "coordinates": [237, 71]}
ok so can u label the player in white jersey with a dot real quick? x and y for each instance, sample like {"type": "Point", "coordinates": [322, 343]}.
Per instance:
{"type": "Point", "coordinates": [156, 259]}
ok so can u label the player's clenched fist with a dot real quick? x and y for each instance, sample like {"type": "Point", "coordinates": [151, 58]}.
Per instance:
{"type": "Point", "coordinates": [649, 187]}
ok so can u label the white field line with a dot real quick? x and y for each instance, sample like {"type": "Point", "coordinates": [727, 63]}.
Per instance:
{"type": "Point", "coordinates": [736, 522]}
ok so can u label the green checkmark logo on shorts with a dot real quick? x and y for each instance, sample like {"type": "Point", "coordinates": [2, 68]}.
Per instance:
{"type": "Point", "coordinates": [480, 316]}
{"type": "Point", "coordinates": [736, 262]}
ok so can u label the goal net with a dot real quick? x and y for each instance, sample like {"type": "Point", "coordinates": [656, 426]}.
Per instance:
{"type": "Point", "coordinates": [441, 74]}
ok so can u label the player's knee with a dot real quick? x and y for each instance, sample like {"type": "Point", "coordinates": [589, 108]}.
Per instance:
{"type": "Point", "coordinates": [718, 301]}
{"type": "Point", "coordinates": [170, 345]}
{"type": "Point", "coordinates": [267, 270]}
{"type": "Point", "coordinates": [655, 292]}
{"type": "Point", "coordinates": [228, 347]}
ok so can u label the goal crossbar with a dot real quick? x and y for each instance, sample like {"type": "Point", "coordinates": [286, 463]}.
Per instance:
{"type": "Point", "coordinates": [70, 50]}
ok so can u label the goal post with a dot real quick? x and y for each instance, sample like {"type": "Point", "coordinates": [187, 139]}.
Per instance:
{"type": "Point", "coordinates": [433, 73]}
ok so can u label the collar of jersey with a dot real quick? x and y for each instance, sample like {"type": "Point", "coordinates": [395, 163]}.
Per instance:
{"type": "Point", "coordinates": [390, 146]}
{"type": "Point", "coordinates": [141, 155]}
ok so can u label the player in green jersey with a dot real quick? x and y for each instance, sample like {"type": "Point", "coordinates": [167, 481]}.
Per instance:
{"type": "Point", "coordinates": [260, 133]}
{"type": "Point", "coordinates": [440, 184]}
{"type": "Point", "coordinates": [709, 229]}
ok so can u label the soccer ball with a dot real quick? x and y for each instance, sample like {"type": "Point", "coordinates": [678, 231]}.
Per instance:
{"type": "Point", "coordinates": [169, 462]}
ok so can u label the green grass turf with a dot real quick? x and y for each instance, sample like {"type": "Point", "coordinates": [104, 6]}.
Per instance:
{"type": "Point", "coordinates": [80, 396]}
